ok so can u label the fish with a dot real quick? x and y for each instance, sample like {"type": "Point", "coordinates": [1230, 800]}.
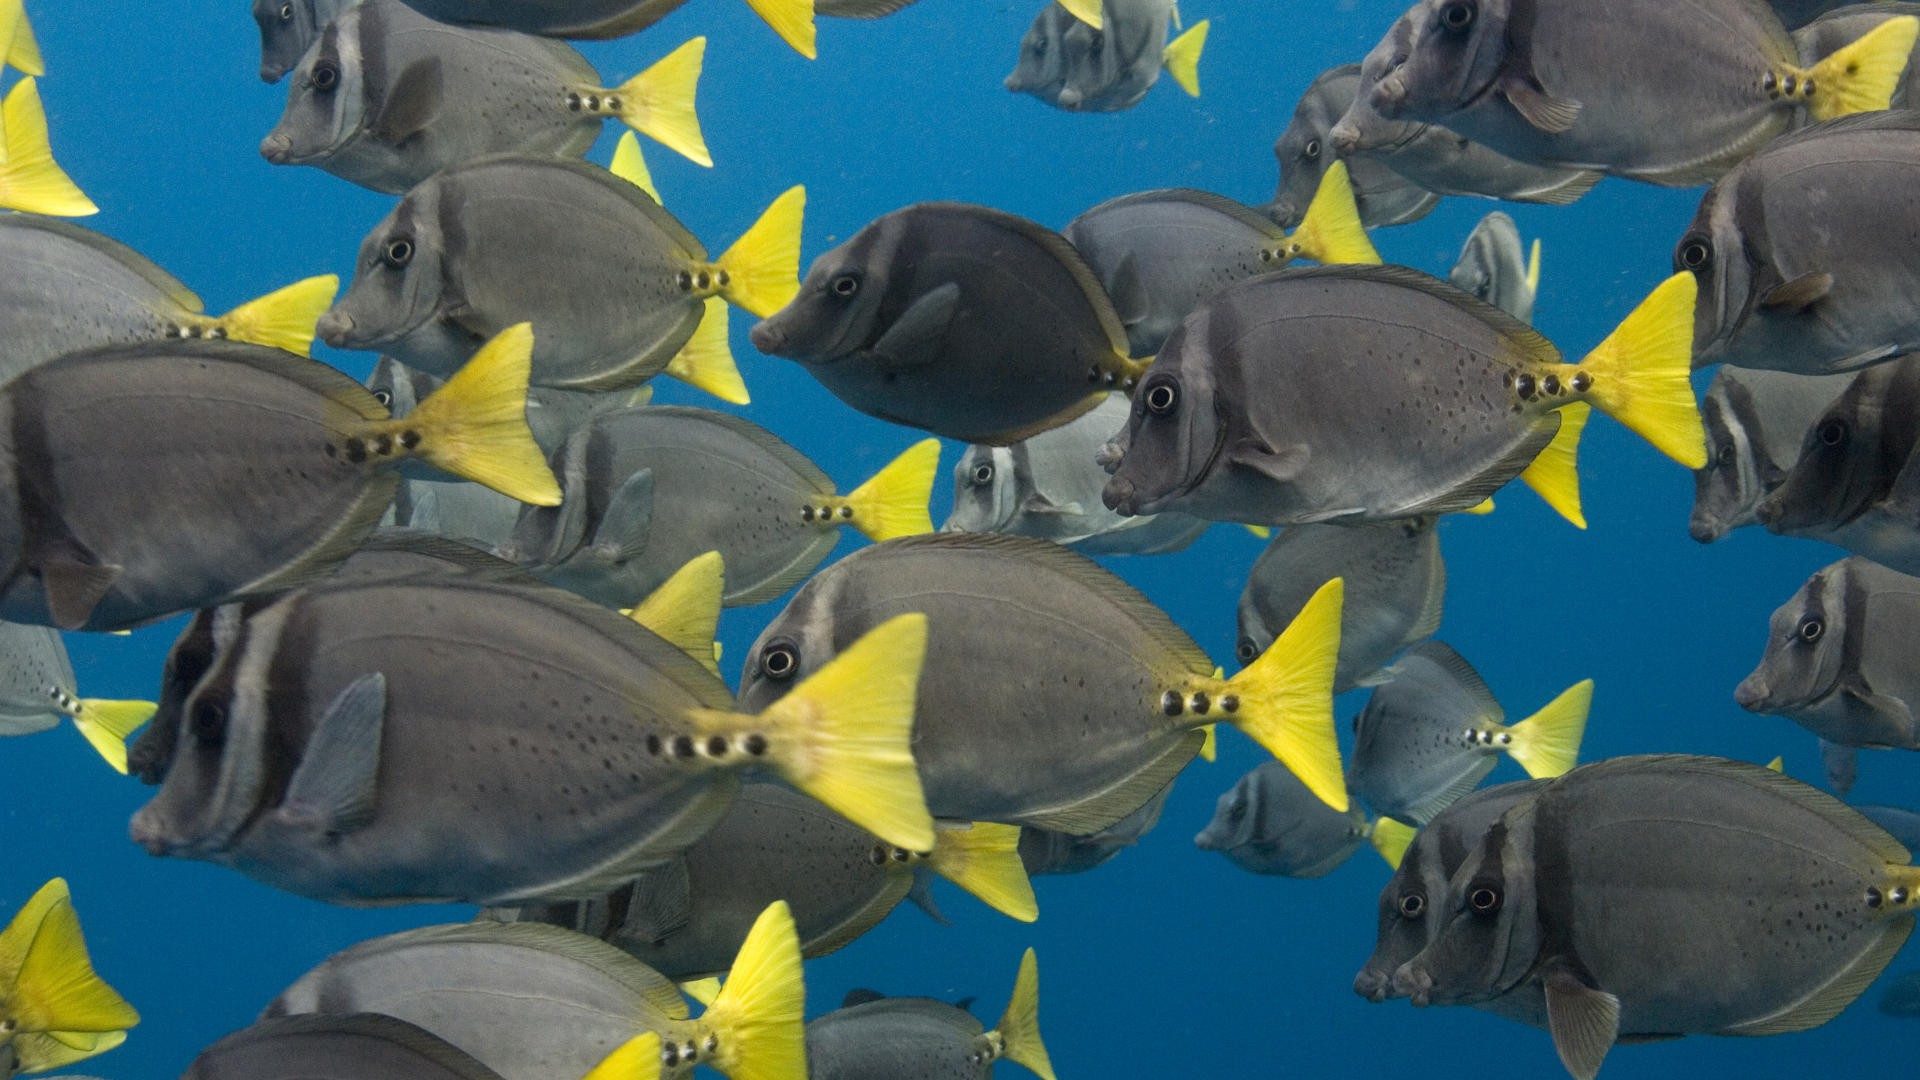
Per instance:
{"type": "Point", "coordinates": [640, 502]}
{"type": "Point", "coordinates": [354, 1046]}
{"type": "Point", "coordinates": [1433, 731]}
{"type": "Point", "coordinates": [1901, 823]}
{"type": "Point", "coordinates": [1556, 895]}
{"type": "Point", "coordinates": [69, 288]}
{"type": "Point", "coordinates": [526, 999]}
{"type": "Point", "coordinates": [386, 97]}
{"type": "Point", "coordinates": [19, 49]}
{"type": "Point", "coordinates": [924, 1039]}
{"type": "Point", "coordinates": [1756, 422]}
{"type": "Point", "coordinates": [1054, 694]}
{"type": "Point", "coordinates": [1269, 823]}
{"type": "Point", "coordinates": [616, 283]}
{"type": "Point", "coordinates": [600, 19]}
{"type": "Point", "coordinates": [1055, 46]}
{"type": "Point", "coordinates": [1304, 154]}
{"type": "Point", "coordinates": [960, 320]}
{"type": "Point", "coordinates": [1902, 996]}
{"type": "Point", "coordinates": [1796, 256]}
{"type": "Point", "coordinates": [37, 690]}
{"type": "Point", "coordinates": [1048, 487]}
{"type": "Point", "coordinates": [688, 918]}
{"type": "Point", "coordinates": [54, 1008]}
{"type": "Point", "coordinates": [30, 179]}
{"type": "Point", "coordinates": [1837, 661]}
{"type": "Point", "coordinates": [281, 465]}
{"type": "Point", "coordinates": [1557, 82]}
{"type": "Point", "coordinates": [1073, 65]}
{"type": "Point", "coordinates": [1354, 345]}
{"type": "Point", "coordinates": [1797, 14]}
{"type": "Point", "coordinates": [1491, 267]}
{"type": "Point", "coordinates": [1396, 585]}
{"type": "Point", "coordinates": [1824, 28]}
{"type": "Point", "coordinates": [288, 28]}
{"type": "Point", "coordinates": [1160, 254]}
{"type": "Point", "coordinates": [1045, 851]}
{"type": "Point", "coordinates": [409, 771]}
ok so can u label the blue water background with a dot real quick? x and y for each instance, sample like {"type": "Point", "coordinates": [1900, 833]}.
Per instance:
{"type": "Point", "coordinates": [1168, 961]}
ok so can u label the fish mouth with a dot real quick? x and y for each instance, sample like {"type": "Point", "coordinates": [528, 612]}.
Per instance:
{"type": "Point", "coordinates": [1372, 984]}
{"type": "Point", "coordinates": [1345, 137]}
{"type": "Point", "coordinates": [768, 338]}
{"type": "Point", "coordinates": [1416, 985]}
{"type": "Point", "coordinates": [338, 329]}
{"type": "Point", "coordinates": [148, 830]}
{"type": "Point", "coordinates": [1751, 694]}
{"type": "Point", "coordinates": [1704, 530]}
{"type": "Point", "coordinates": [277, 148]}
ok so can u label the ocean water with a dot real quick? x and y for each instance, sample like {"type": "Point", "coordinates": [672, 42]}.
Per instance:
{"type": "Point", "coordinates": [1167, 961]}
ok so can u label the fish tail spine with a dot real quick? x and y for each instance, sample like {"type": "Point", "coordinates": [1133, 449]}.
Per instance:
{"type": "Point", "coordinates": [685, 609]}
{"type": "Point", "coordinates": [659, 102]}
{"type": "Point", "coordinates": [1547, 743]}
{"type": "Point", "coordinates": [1861, 77]}
{"type": "Point", "coordinates": [21, 51]}
{"type": "Point", "coordinates": [1284, 699]}
{"type": "Point", "coordinates": [636, 1059]}
{"type": "Point", "coordinates": [1641, 375]}
{"type": "Point", "coordinates": [57, 985]}
{"type": "Point", "coordinates": [706, 362]}
{"type": "Point", "coordinates": [985, 860]}
{"type": "Point", "coordinates": [761, 271]}
{"type": "Point", "coordinates": [1019, 1026]}
{"type": "Point", "coordinates": [1391, 839]}
{"type": "Point", "coordinates": [284, 318]}
{"type": "Point", "coordinates": [630, 164]}
{"type": "Point", "coordinates": [754, 1028]}
{"type": "Point", "coordinates": [30, 180]}
{"type": "Point", "coordinates": [106, 724]}
{"type": "Point", "coordinates": [1331, 231]}
{"type": "Point", "coordinates": [1182, 57]}
{"type": "Point", "coordinates": [792, 20]}
{"type": "Point", "coordinates": [1555, 475]}
{"type": "Point", "coordinates": [894, 502]}
{"type": "Point", "coordinates": [475, 425]}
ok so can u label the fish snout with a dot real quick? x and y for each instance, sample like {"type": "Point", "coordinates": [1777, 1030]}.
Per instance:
{"type": "Point", "coordinates": [1013, 83]}
{"type": "Point", "coordinates": [1704, 530]}
{"type": "Point", "coordinates": [335, 328]}
{"type": "Point", "coordinates": [150, 833]}
{"type": "Point", "coordinates": [1389, 94]}
{"type": "Point", "coordinates": [1345, 138]}
{"type": "Point", "coordinates": [1070, 98]}
{"type": "Point", "coordinates": [767, 337]}
{"type": "Point", "coordinates": [1751, 694]}
{"type": "Point", "coordinates": [1415, 984]}
{"type": "Point", "coordinates": [1371, 984]}
{"type": "Point", "coordinates": [1119, 496]}
{"type": "Point", "coordinates": [277, 147]}
{"type": "Point", "coordinates": [1283, 212]}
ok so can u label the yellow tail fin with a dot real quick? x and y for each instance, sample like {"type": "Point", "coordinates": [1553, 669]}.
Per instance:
{"type": "Point", "coordinates": [29, 180]}
{"type": "Point", "coordinates": [1019, 1027]}
{"type": "Point", "coordinates": [637, 1059]}
{"type": "Point", "coordinates": [705, 362]}
{"type": "Point", "coordinates": [792, 20]}
{"type": "Point", "coordinates": [1331, 231]}
{"type": "Point", "coordinates": [1391, 839]}
{"type": "Point", "coordinates": [985, 861]}
{"type": "Point", "coordinates": [630, 164]}
{"type": "Point", "coordinates": [57, 989]}
{"type": "Point", "coordinates": [658, 102]}
{"type": "Point", "coordinates": [1555, 475]}
{"type": "Point", "coordinates": [1087, 11]}
{"type": "Point", "coordinates": [106, 725]}
{"type": "Point", "coordinates": [1547, 743]}
{"type": "Point", "coordinates": [1485, 506]}
{"type": "Point", "coordinates": [1862, 76]}
{"type": "Point", "coordinates": [757, 1016]}
{"type": "Point", "coordinates": [764, 264]}
{"type": "Point", "coordinates": [475, 425]}
{"type": "Point", "coordinates": [1533, 269]}
{"type": "Point", "coordinates": [23, 54]}
{"type": "Point", "coordinates": [894, 502]}
{"type": "Point", "coordinates": [1182, 58]}
{"type": "Point", "coordinates": [283, 319]}
{"type": "Point", "coordinates": [685, 609]}
{"type": "Point", "coordinates": [1286, 696]}
{"type": "Point", "coordinates": [1640, 375]}
{"type": "Point", "coordinates": [702, 990]}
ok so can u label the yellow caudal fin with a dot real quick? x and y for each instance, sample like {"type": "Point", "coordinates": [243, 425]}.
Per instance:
{"type": "Point", "coordinates": [1019, 1027]}
{"type": "Point", "coordinates": [1391, 839]}
{"type": "Point", "coordinates": [1285, 697]}
{"type": "Point", "coordinates": [282, 319]}
{"type": "Point", "coordinates": [1087, 11]}
{"type": "Point", "coordinates": [630, 164]}
{"type": "Point", "coordinates": [757, 1017]}
{"type": "Point", "coordinates": [1640, 375]}
{"type": "Point", "coordinates": [475, 425]}
{"type": "Point", "coordinates": [1331, 231]}
{"type": "Point", "coordinates": [685, 609]}
{"type": "Point", "coordinates": [985, 861]}
{"type": "Point", "coordinates": [1547, 743]}
{"type": "Point", "coordinates": [29, 178]}
{"type": "Point", "coordinates": [636, 1059]}
{"type": "Point", "coordinates": [792, 20]}
{"type": "Point", "coordinates": [1862, 76]}
{"type": "Point", "coordinates": [894, 502]}
{"type": "Point", "coordinates": [658, 102]}
{"type": "Point", "coordinates": [1484, 506]}
{"type": "Point", "coordinates": [20, 51]}
{"type": "Point", "coordinates": [57, 990]}
{"type": "Point", "coordinates": [1533, 270]}
{"type": "Point", "coordinates": [843, 735]}
{"type": "Point", "coordinates": [1182, 58]}
{"type": "Point", "coordinates": [702, 990]}
{"type": "Point", "coordinates": [106, 724]}
{"type": "Point", "coordinates": [764, 264]}
{"type": "Point", "coordinates": [1555, 475]}
{"type": "Point", "coordinates": [705, 362]}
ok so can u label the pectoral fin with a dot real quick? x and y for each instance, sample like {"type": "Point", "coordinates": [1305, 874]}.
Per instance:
{"type": "Point", "coordinates": [1799, 294]}
{"type": "Point", "coordinates": [336, 786]}
{"type": "Point", "coordinates": [914, 337]}
{"type": "Point", "coordinates": [661, 904]}
{"type": "Point", "coordinates": [74, 588]}
{"type": "Point", "coordinates": [1550, 114]}
{"type": "Point", "coordinates": [1585, 1022]}
{"type": "Point", "coordinates": [412, 102]}
{"type": "Point", "coordinates": [1283, 464]}
{"type": "Point", "coordinates": [622, 532]}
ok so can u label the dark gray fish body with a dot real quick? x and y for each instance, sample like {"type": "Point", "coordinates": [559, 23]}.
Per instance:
{"type": "Point", "coordinates": [362, 1046]}
{"type": "Point", "coordinates": [387, 97]}
{"type": "Point", "coordinates": [1305, 153]}
{"type": "Point", "coordinates": [1048, 486]}
{"type": "Point", "coordinates": [1422, 741]}
{"type": "Point", "coordinates": [1798, 14]}
{"type": "Point", "coordinates": [1055, 47]}
{"type": "Point", "coordinates": [1396, 583]}
{"type": "Point", "coordinates": [1839, 659]}
{"type": "Point", "coordinates": [1901, 823]}
{"type": "Point", "coordinates": [1756, 423]}
{"type": "Point", "coordinates": [1801, 252]}
{"type": "Point", "coordinates": [1045, 851]}
{"type": "Point", "coordinates": [33, 662]}
{"type": "Point", "coordinates": [1823, 28]}
{"type": "Point", "coordinates": [1493, 267]}
{"type": "Point", "coordinates": [1269, 823]}
{"type": "Point", "coordinates": [1070, 65]}
{"type": "Point", "coordinates": [957, 319]}
{"type": "Point", "coordinates": [591, 19]}
{"type": "Point", "coordinates": [898, 1039]}
{"type": "Point", "coordinates": [1902, 997]}
{"type": "Point", "coordinates": [288, 28]}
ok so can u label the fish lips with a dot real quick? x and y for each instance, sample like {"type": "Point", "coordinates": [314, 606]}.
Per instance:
{"type": "Point", "coordinates": [1752, 693]}
{"type": "Point", "coordinates": [769, 337]}
{"type": "Point", "coordinates": [1374, 984]}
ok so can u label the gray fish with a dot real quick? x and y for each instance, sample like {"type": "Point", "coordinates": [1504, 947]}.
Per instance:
{"type": "Point", "coordinates": [358, 1046]}
{"type": "Point", "coordinates": [1054, 694]}
{"type": "Point", "coordinates": [1838, 659]}
{"type": "Point", "coordinates": [277, 465]}
{"type": "Point", "coordinates": [961, 320]}
{"type": "Point", "coordinates": [1901, 823]}
{"type": "Point", "coordinates": [615, 283]}
{"type": "Point", "coordinates": [1269, 823]}
{"type": "Point", "coordinates": [386, 97]}
{"type": "Point", "coordinates": [1403, 397]}
{"type": "Point", "coordinates": [1053, 48]}
{"type": "Point", "coordinates": [1632, 892]}
{"type": "Point", "coordinates": [1434, 731]}
{"type": "Point", "coordinates": [1823, 28]}
{"type": "Point", "coordinates": [640, 501]}
{"type": "Point", "coordinates": [1841, 764]}
{"type": "Point", "coordinates": [1756, 422]}
{"type": "Point", "coordinates": [923, 1039]}
{"type": "Point", "coordinates": [1044, 851]}
{"type": "Point", "coordinates": [1902, 996]}
{"type": "Point", "coordinates": [288, 28]}
{"type": "Point", "coordinates": [1557, 82]}
{"type": "Point", "coordinates": [1073, 66]}
{"type": "Point", "coordinates": [598, 19]}
{"type": "Point", "coordinates": [37, 690]}
{"type": "Point", "coordinates": [1048, 487]}
{"type": "Point", "coordinates": [1396, 584]}
{"type": "Point", "coordinates": [1492, 267]}
{"type": "Point", "coordinates": [1305, 152]}
{"type": "Point", "coordinates": [407, 768]}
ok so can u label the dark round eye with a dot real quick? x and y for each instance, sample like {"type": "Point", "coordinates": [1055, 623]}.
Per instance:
{"type": "Point", "coordinates": [779, 660]}
{"type": "Point", "coordinates": [1722, 455]}
{"type": "Point", "coordinates": [384, 397]}
{"type": "Point", "coordinates": [983, 473]}
{"type": "Point", "coordinates": [1832, 432]}
{"type": "Point", "coordinates": [210, 722]}
{"type": "Point", "coordinates": [1694, 253]}
{"type": "Point", "coordinates": [398, 252]}
{"type": "Point", "coordinates": [1457, 16]}
{"type": "Point", "coordinates": [1811, 629]}
{"type": "Point", "coordinates": [1246, 650]}
{"type": "Point", "coordinates": [1312, 149]}
{"type": "Point", "coordinates": [1040, 47]}
{"type": "Point", "coordinates": [1237, 811]}
{"type": "Point", "coordinates": [1162, 397]}
{"type": "Point", "coordinates": [845, 285]}
{"type": "Point", "coordinates": [1412, 905]}
{"type": "Point", "coordinates": [325, 76]}
{"type": "Point", "coordinates": [1485, 900]}
{"type": "Point", "coordinates": [286, 12]}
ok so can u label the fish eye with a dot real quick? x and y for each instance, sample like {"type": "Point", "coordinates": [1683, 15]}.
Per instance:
{"type": "Point", "coordinates": [1457, 16]}
{"type": "Point", "coordinates": [286, 12]}
{"type": "Point", "coordinates": [384, 397]}
{"type": "Point", "coordinates": [1810, 629]}
{"type": "Point", "coordinates": [1694, 253]}
{"type": "Point", "coordinates": [398, 252]}
{"type": "Point", "coordinates": [1412, 905]}
{"type": "Point", "coordinates": [1722, 455]}
{"type": "Point", "coordinates": [1237, 811]}
{"type": "Point", "coordinates": [1832, 432]}
{"type": "Point", "coordinates": [983, 473]}
{"type": "Point", "coordinates": [1246, 650]}
{"type": "Point", "coordinates": [210, 722]}
{"type": "Point", "coordinates": [1162, 397]}
{"type": "Point", "coordinates": [845, 285]}
{"type": "Point", "coordinates": [1485, 899]}
{"type": "Point", "coordinates": [1311, 150]}
{"type": "Point", "coordinates": [324, 76]}
{"type": "Point", "coordinates": [779, 660]}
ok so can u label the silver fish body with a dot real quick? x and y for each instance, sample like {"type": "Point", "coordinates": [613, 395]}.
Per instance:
{"type": "Point", "coordinates": [1104, 70]}
{"type": "Point", "coordinates": [1493, 267]}
{"type": "Point", "coordinates": [357, 1046]}
{"type": "Point", "coordinates": [898, 1039]}
{"type": "Point", "coordinates": [1046, 851]}
{"type": "Point", "coordinates": [1902, 824]}
{"type": "Point", "coordinates": [1270, 823]}
{"type": "Point", "coordinates": [1422, 741]}
{"type": "Point", "coordinates": [33, 666]}
{"type": "Point", "coordinates": [288, 28]}
{"type": "Point", "coordinates": [1756, 423]}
